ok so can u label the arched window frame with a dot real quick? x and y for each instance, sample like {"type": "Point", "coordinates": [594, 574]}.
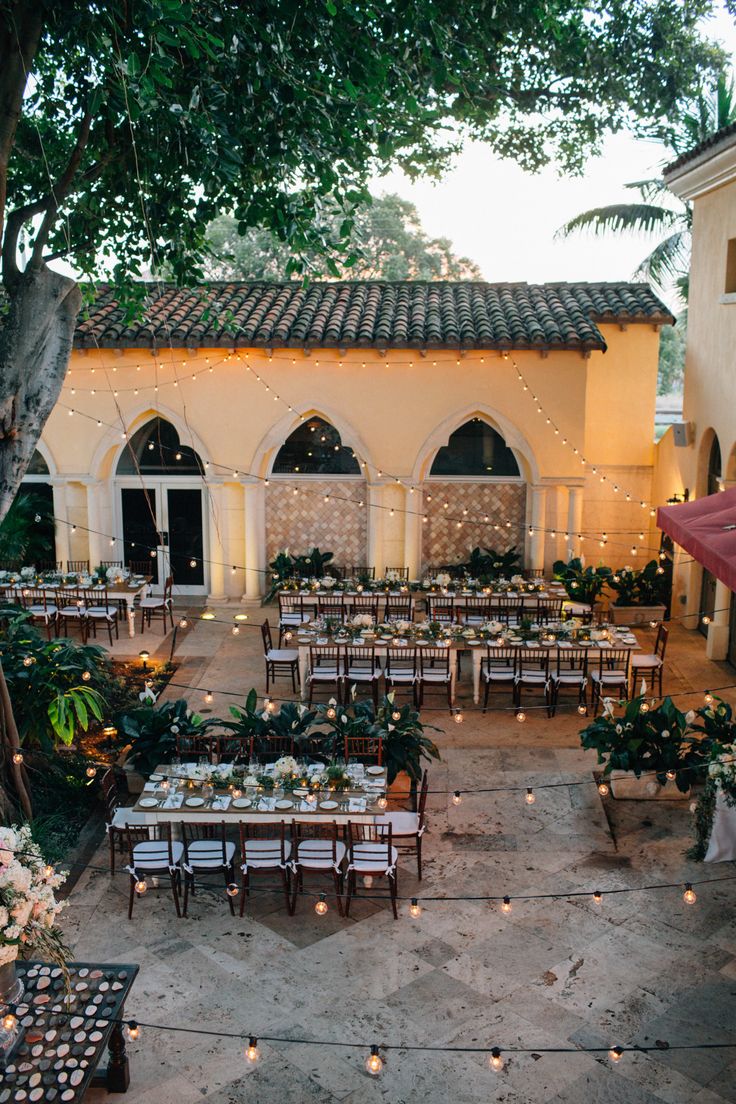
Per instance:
{"type": "Point", "coordinates": [191, 464]}
{"type": "Point", "coordinates": [478, 477]}
{"type": "Point", "coordinates": [319, 421]}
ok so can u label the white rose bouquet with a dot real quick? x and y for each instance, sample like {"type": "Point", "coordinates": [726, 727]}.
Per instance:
{"type": "Point", "coordinates": [285, 767]}
{"type": "Point", "coordinates": [362, 621]}
{"type": "Point", "coordinates": [403, 626]}
{"type": "Point", "coordinates": [28, 906]}
{"type": "Point", "coordinates": [443, 579]}
{"type": "Point", "coordinates": [328, 582]}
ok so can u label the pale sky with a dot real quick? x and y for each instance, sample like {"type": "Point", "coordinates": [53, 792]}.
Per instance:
{"type": "Point", "coordinates": [505, 219]}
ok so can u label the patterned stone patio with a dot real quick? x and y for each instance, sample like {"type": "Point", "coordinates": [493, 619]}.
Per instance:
{"type": "Point", "coordinates": [636, 969]}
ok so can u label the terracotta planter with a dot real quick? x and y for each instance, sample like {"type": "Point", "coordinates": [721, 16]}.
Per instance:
{"type": "Point", "coordinates": [635, 615]}
{"type": "Point", "coordinates": [625, 786]}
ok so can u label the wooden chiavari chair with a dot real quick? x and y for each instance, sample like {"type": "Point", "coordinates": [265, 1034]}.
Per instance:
{"type": "Point", "coordinates": [356, 604]}
{"type": "Point", "coordinates": [571, 674]}
{"type": "Point", "coordinates": [332, 606]}
{"type": "Point", "coordinates": [270, 748]}
{"type": "Point", "coordinates": [325, 669]}
{"type": "Point", "coordinates": [207, 850]}
{"type": "Point", "coordinates": [77, 567]}
{"type": "Point", "coordinates": [407, 828]}
{"type": "Point", "coordinates": [434, 673]}
{"type": "Point", "coordinates": [614, 665]}
{"type": "Point", "coordinates": [473, 611]}
{"type": "Point", "coordinates": [153, 852]}
{"type": "Point", "coordinates": [264, 849]}
{"type": "Point", "coordinates": [192, 748]}
{"type": "Point", "coordinates": [398, 573]}
{"type": "Point", "coordinates": [401, 670]}
{"type": "Point", "coordinates": [371, 853]}
{"type": "Point", "coordinates": [43, 610]}
{"type": "Point", "coordinates": [399, 607]}
{"type": "Point", "coordinates": [498, 669]}
{"type": "Point", "coordinates": [101, 609]}
{"type": "Point", "coordinates": [532, 673]}
{"type": "Point", "coordinates": [364, 749]}
{"type": "Point", "coordinates": [362, 571]}
{"type": "Point", "coordinates": [292, 614]}
{"type": "Point", "coordinates": [316, 848]}
{"type": "Point", "coordinates": [361, 668]}
{"type": "Point", "coordinates": [548, 609]}
{"type": "Point", "coordinates": [279, 661]}
{"type": "Point", "coordinates": [441, 608]}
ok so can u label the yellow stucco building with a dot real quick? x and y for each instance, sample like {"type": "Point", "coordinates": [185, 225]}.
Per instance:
{"type": "Point", "coordinates": [393, 424]}
{"type": "Point", "coordinates": [704, 461]}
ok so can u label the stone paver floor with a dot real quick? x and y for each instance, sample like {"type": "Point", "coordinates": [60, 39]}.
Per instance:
{"type": "Point", "coordinates": [637, 968]}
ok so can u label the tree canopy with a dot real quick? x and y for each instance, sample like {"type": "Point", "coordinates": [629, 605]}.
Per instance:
{"type": "Point", "coordinates": [387, 241]}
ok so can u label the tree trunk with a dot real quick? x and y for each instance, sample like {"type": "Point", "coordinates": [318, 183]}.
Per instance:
{"type": "Point", "coordinates": [10, 745]}
{"type": "Point", "coordinates": [35, 345]}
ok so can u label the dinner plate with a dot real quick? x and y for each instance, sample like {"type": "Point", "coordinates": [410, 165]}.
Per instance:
{"type": "Point", "coordinates": [473, 643]}
{"type": "Point", "coordinates": [421, 643]}
{"type": "Point", "coordinates": [301, 792]}
{"type": "Point", "coordinates": [148, 802]}
{"type": "Point", "coordinates": [283, 804]}
{"type": "Point", "coordinates": [194, 802]}
{"type": "Point", "coordinates": [242, 803]}
{"type": "Point", "coordinates": [328, 805]}
{"type": "Point", "coordinates": [374, 770]}
{"type": "Point", "coordinates": [155, 778]}
{"type": "Point", "coordinates": [585, 643]}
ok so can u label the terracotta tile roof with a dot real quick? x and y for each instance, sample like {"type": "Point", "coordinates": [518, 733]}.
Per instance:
{"type": "Point", "coordinates": [720, 136]}
{"type": "Point", "coordinates": [370, 314]}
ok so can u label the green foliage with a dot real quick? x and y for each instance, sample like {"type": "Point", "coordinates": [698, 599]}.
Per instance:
{"type": "Point", "coordinates": [63, 801]}
{"type": "Point", "coordinates": [659, 213]}
{"type": "Point", "coordinates": [152, 731]}
{"type": "Point", "coordinates": [52, 700]}
{"type": "Point", "coordinates": [487, 564]}
{"type": "Point", "coordinates": [292, 719]}
{"type": "Point", "coordinates": [705, 808]}
{"type": "Point", "coordinates": [657, 740]}
{"type": "Point", "coordinates": [386, 242]}
{"type": "Point", "coordinates": [644, 587]}
{"type": "Point", "coordinates": [671, 370]}
{"type": "Point", "coordinates": [23, 539]}
{"type": "Point", "coordinates": [308, 565]}
{"type": "Point", "coordinates": [278, 111]}
{"type": "Point", "coordinates": [582, 584]}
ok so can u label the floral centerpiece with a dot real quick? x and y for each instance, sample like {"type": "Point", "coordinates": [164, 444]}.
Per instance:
{"type": "Point", "coordinates": [286, 767]}
{"type": "Point", "coordinates": [28, 906]}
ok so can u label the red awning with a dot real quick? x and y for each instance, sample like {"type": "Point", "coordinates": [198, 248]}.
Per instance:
{"type": "Point", "coordinates": [706, 528]}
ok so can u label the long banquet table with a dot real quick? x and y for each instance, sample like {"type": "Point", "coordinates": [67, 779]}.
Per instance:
{"type": "Point", "coordinates": [118, 592]}
{"type": "Point", "coordinates": [222, 807]}
{"type": "Point", "coordinates": [478, 649]}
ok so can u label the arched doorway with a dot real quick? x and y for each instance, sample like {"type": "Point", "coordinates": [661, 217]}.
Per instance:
{"type": "Point", "coordinates": [160, 504]}
{"type": "Point", "coordinates": [713, 477]}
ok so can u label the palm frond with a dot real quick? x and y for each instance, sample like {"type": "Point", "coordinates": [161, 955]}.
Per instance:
{"type": "Point", "coordinates": [669, 260]}
{"type": "Point", "coordinates": [633, 218]}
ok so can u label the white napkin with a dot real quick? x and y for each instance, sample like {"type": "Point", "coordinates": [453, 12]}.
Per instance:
{"type": "Point", "coordinates": [222, 802]}
{"type": "Point", "coordinates": [564, 644]}
{"type": "Point", "coordinates": [267, 804]}
{"type": "Point", "coordinates": [149, 787]}
{"type": "Point", "coordinates": [357, 805]}
{"type": "Point", "coordinates": [173, 801]}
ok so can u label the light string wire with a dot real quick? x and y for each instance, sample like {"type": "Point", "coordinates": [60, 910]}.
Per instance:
{"type": "Point", "coordinates": [133, 1027]}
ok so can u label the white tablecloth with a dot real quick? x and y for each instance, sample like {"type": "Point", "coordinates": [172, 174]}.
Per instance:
{"type": "Point", "coordinates": [722, 842]}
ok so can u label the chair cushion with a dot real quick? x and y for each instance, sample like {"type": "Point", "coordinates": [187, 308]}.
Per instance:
{"type": "Point", "coordinates": [402, 824]}
{"type": "Point", "coordinates": [152, 603]}
{"type": "Point", "coordinates": [362, 674]}
{"type": "Point", "coordinates": [373, 858]}
{"type": "Point", "coordinates": [569, 678]}
{"type": "Point", "coordinates": [282, 655]}
{"type": "Point", "coordinates": [499, 674]}
{"type": "Point", "coordinates": [610, 676]}
{"type": "Point", "coordinates": [291, 619]}
{"type": "Point", "coordinates": [100, 611]}
{"type": "Point", "coordinates": [316, 854]}
{"type": "Point", "coordinates": [123, 815]}
{"type": "Point", "coordinates": [264, 854]}
{"type": "Point", "coordinates": [39, 611]}
{"type": "Point", "coordinates": [207, 854]}
{"type": "Point", "coordinates": [646, 661]}
{"type": "Point", "coordinates": [154, 854]}
{"type": "Point", "coordinates": [324, 673]}
{"type": "Point", "coordinates": [436, 676]}
{"type": "Point", "coordinates": [400, 676]}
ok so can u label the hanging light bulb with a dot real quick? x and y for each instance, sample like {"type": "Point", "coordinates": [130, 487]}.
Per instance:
{"type": "Point", "coordinates": [521, 716]}
{"type": "Point", "coordinates": [321, 906]}
{"type": "Point", "coordinates": [382, 802]}
{"type": "Point", "coordinates": [496, 1061]}
{"type": "Point", "coordinates": [457, 797]}
{"type": "Point", "coordinates": [506, 904]}
{"type": "Point", "coordinates": [235, 630]}
{"type": "Point", "coordinates": [582, 710]}
{"type": "Point", "coordinates": [192, 563]}
{"type": "Point", "coordinates": [18, 758]}
{"type": "Point", "coordinates": [415, 909]}
{"type": "Point", "coordinates": [183, 623]}
{"type": "Point", "coordinates": [132, 1030]}
{"type": "Point", "coordinates": [706, 620]}
{"type": "Point", "coordinates": [644, 707]}
{"type": "Point", "coordinates": [603, 789]}
{"type": "Point", "coordinates": [28, 661]}
{"type": "Point", "coordinates": [597, 896]}
{"type": "Point", "coordinates": [615, 1053]}
{"type": "Point", "coordinates": [141, 886]}
{"type": "Point", "coordinates": [269, 705]}
{"type": "Point", "coordinates": [530, 796]}
{"type": "Point", "coordinates": [91, 772]}
{"type": "Point", "coordinates": [396, 715]}
{"type": "Point", "coordinates": [9, 1022]}
{"type": "Point", "coordinates": [708, 697]}
{"type": "Point", "coordinates": [86, 676]}
{"type": "Point", "coordinates": [374, 1062]}
{"type": "Point", "coordinates": [48, 870]}
{"type": "Point", "coordinates": [671, 775]}
{"type": "Point", "coordinates": [209, 697]}
{"type": "Point", "coordinates": [252, 1053]}
{"type": "Point", "coordinates": [689, 896]}
{"type": "Point", "coordinates": [459, 716]}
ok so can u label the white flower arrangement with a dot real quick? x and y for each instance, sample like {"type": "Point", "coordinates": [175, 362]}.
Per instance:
{"type": "Point", "coordinates": [723, 770]}
{"type": "Point", "coordinates": [285, 767]}
{"type": "Point", "coordinates": [28, 906]}
{"type": "Point", "coordinates": [327, 582]}
{"type": "Point", "coordinates": [443, 579]}
{"type": "Point", "coordinates": [362, 621]}
{"type": "Point", "coordinates": [28, 573]}
{"type": "Point", "coordinates": [518, 579]}
{"type": "Point", "coordinates": [493, 627]}
{"type": "Point", "coordinates": [403, 626]}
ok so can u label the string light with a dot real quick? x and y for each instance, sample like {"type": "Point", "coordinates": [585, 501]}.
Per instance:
{"type": "Point", "coordinates": [415, 909]}
{"type": "Point", "coordinates": [321, 906]}
{"type": "Point", "coordinates": [457, 798]}
{"type": "Point", "coordinates": [597, 896]}
{"type": "Point", "coordinates": [141, 886]}
{"type": "Point", "coordinates": [530, 798]}
{"type": "Point", "coordinates": [520, 716]}
{"type": "Point", "coordinates": [458, 716]}
{"type": "Point", "coordinates": [689, 896]}
{"type": "Point", "coordinates": [616, 1053]}
{"type": "Point", "coordinates": [252, 1053]}
{"type": "Point", "coordinates": [708, 697]}
{"type": "Point", "coordinates": [374, 1062]}
{"type": "Point", "coordinates": [603, 789]}
{"type": "Point", "coordinates": [496, 1061]}
{"type": "Point", "coordinates": [132, 1030]}
{"type": "Point", "coordinates": [18, 758]}
{"type": "Point", "coordinates": [209, 697]}
{"type": "Point", "coordinates": [506, 904]}
{"type": "Point", "coordinates": [9, 1022]}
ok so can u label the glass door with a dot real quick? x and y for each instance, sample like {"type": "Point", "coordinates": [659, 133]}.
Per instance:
{"type": "Point", "coordinates": [183, 509]}
{"type": "Point", "coordinates": [140, 529]}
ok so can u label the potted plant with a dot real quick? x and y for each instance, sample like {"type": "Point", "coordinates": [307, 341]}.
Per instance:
{"type": "Point", "coordinates": [642, 594]}
{"type": "Point", "coordinates": [152, 731]}
{"type": "Point", "coordinates": [715, 723]}
{"type": "Point", "coordinates": [656, 746]}
{"type": "Point", "coordinates": [405, 742]}
{"type": "Point", "coordinates": [582, 584]}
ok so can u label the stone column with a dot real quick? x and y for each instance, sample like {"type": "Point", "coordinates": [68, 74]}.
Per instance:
{"type": "Point", "coordinates": [574, 521]}
{"type": "Point", "coordinates": [717, 643]}
{"type": "Point", "coordinates": [216, 554]}
{"type": "Point", "coordinates": [537, 523]}
{"type": "Point", "coordinates": [375, 527]}
{"type": "Point", "coordinates": [413, 532]}
{"type": "Point", "coordinates": [61, 527]}
{"type": "Point", "coordinates": [98, 546]}
{"type": "Point", "coordinates": [254, 506]}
